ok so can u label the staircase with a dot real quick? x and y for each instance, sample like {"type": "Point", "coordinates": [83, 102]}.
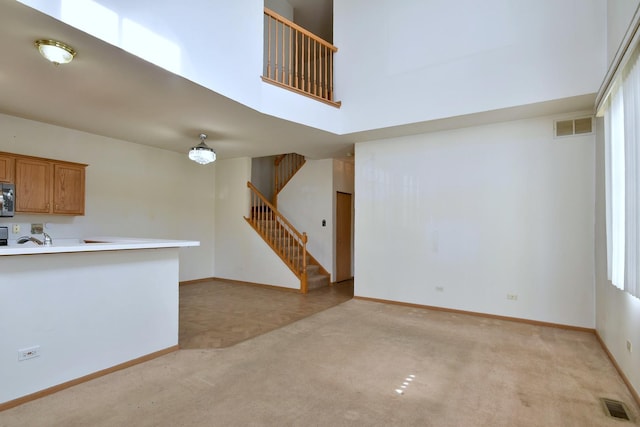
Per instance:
{"type": "Point", "coordinates": [285, 167]}
{"type": "Point", "coordinates": [315, 276]}
{"type": "Point", "coordinates": [287, 242]}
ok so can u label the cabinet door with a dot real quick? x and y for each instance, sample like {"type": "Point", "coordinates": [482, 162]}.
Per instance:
{"type": "Point", "coordinates": [33, 186]}
{"type": "Point", "coordinates": [6, 168]}
{"type": "Point", "coordinates": [68, 189]}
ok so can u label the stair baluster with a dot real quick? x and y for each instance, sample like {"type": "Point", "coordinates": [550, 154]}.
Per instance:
{"type": "Point", "coordinates": [282, 237]}
{"type": "Point", "coordinates": [286, 166]}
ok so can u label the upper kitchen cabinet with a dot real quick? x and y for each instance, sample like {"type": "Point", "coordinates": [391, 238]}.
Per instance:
{"type": "Point", "coordinates": [49, 186]}
{"type": "Point", "coordinates": [33, 186]}
{"type": "Point", "coordinates": [68, 189]}
{"type": "Point", "coordinates": [7, 164]}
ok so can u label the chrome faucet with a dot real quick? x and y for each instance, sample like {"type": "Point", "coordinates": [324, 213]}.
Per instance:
{"type": "Point", "coordinates": [47, 240]}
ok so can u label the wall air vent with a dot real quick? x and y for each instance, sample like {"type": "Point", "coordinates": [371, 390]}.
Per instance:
{"type": "Point", "coordinates": [581, 126]}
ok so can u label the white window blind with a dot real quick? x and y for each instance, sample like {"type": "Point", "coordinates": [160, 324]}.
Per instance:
{"type": "Point", "coordinates": [622, 168]}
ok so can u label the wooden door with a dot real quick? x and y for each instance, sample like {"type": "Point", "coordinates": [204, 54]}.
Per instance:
{"type": "Point", "coordinates": [33, 186]}
{"type": "Point", "coordinates": [343, 236]}
{"type": "Point", "coordinates": [68, 189]}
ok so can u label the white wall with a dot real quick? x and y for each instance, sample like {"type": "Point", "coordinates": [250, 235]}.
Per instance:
{"type": "Point", "coordinates": [87, 311]}
{"type": "Point", "coordinates": [305, 201]}
{"type": "Point", "coordinates": [131, 190]}
{"type": "Point", "coordinates": [619, 14]}
{"type": "Point", "coordinates": [241, 254]}
{"type": "Point", "coordinates": [479, 212]}
{"type": "Point", "coordinates": [262, 175]}
{"type": "Point", "coordinates": [415, 61]}
{"type": "Point", "coordinates": [343, 176]}
{"type": "Point", "coordinates": [300, 109]}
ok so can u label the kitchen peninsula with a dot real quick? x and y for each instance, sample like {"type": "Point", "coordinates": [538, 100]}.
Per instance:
{"type": "Point", "coordinates": [77, 309]}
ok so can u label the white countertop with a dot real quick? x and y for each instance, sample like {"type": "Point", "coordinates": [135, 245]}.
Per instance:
{"type": "Point", "coordinates": [94, 244]}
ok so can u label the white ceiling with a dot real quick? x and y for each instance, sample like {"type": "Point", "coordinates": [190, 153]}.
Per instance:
{"type": "Point", "coordinates": [107, 91]}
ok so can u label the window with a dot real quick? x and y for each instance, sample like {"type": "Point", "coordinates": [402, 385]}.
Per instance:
{"type": "Point", "coordinates": [622, 163]}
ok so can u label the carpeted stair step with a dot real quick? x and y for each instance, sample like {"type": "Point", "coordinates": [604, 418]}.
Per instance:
{"type": "Point", "coordinates": [316, 280]}
{"type": "Point", "coordinates": [313, 269]}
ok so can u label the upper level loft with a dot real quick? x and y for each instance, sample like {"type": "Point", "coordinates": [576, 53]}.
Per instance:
{"type": "Point", "coordinates": [297, 60]}
{"type": "Point", "coordinates": [428, 65]}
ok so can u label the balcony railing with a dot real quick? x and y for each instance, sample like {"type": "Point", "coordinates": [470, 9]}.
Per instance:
{"type": "Point", "coordinates": [297, 60]}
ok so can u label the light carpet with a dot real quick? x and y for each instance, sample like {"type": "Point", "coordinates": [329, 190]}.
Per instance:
{"type": "Point", "coordinates": [341, 367]}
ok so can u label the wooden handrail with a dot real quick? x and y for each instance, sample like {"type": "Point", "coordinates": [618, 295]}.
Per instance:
{"type": "Point", "coordinates": [287, 242]}
{"type": "Point", "coordinates": [285, 167]}
{"type": "Point", "coordinates": [275, 211]}
{"type": "Point", "coordinates": [297, 27]}
{"type": "Point", "coordinates": [297, 59]}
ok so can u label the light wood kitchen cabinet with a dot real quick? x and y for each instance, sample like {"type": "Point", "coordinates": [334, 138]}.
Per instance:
{"type": "Point", "coordinates": [49, 186]}
{"type": "Point", "coordinates": [33, 186]}
{"type": "Point", "coordinates": [68, 189]}
{"type": "Point", "coordinates": [7, 168]}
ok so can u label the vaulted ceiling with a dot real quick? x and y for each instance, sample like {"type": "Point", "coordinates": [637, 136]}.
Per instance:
{"type": "Point", "coordinates": [109, 92]}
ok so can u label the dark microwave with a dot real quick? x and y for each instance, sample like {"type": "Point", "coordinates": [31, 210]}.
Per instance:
{"type": "Point", "coordinates": [7, 199]}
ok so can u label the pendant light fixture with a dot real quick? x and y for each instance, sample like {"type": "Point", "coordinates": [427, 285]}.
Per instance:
{"type": "Point", "coordinates": [55, 51]}
{"type": "Point", "coordinates": [202, 153]}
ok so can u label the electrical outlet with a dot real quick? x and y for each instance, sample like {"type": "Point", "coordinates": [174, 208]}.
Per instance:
{"type": "Point", "coordinates": [629, 347]}
{"type": "Point", "coordinates": [37, 228]}
{"type": "Point", "coordinates": [16, 228]}
{"type": "Point", "coordinates": [29, 353]}
{"type": "Point", "coordinates": [512, 297]}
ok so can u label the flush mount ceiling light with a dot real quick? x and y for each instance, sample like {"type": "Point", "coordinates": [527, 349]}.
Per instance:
{"type": "Point", "coordinates": [202, 153]}
{"type": "Point", "coordinates": [56, 52]}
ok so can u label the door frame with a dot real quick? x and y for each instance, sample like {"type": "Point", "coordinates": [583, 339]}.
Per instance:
{"type": "Point", "coordinates": [338, 242]}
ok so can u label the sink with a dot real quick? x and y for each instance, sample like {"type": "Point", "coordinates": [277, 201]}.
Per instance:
{"type": "Point", "coordinates": [27, 244]}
